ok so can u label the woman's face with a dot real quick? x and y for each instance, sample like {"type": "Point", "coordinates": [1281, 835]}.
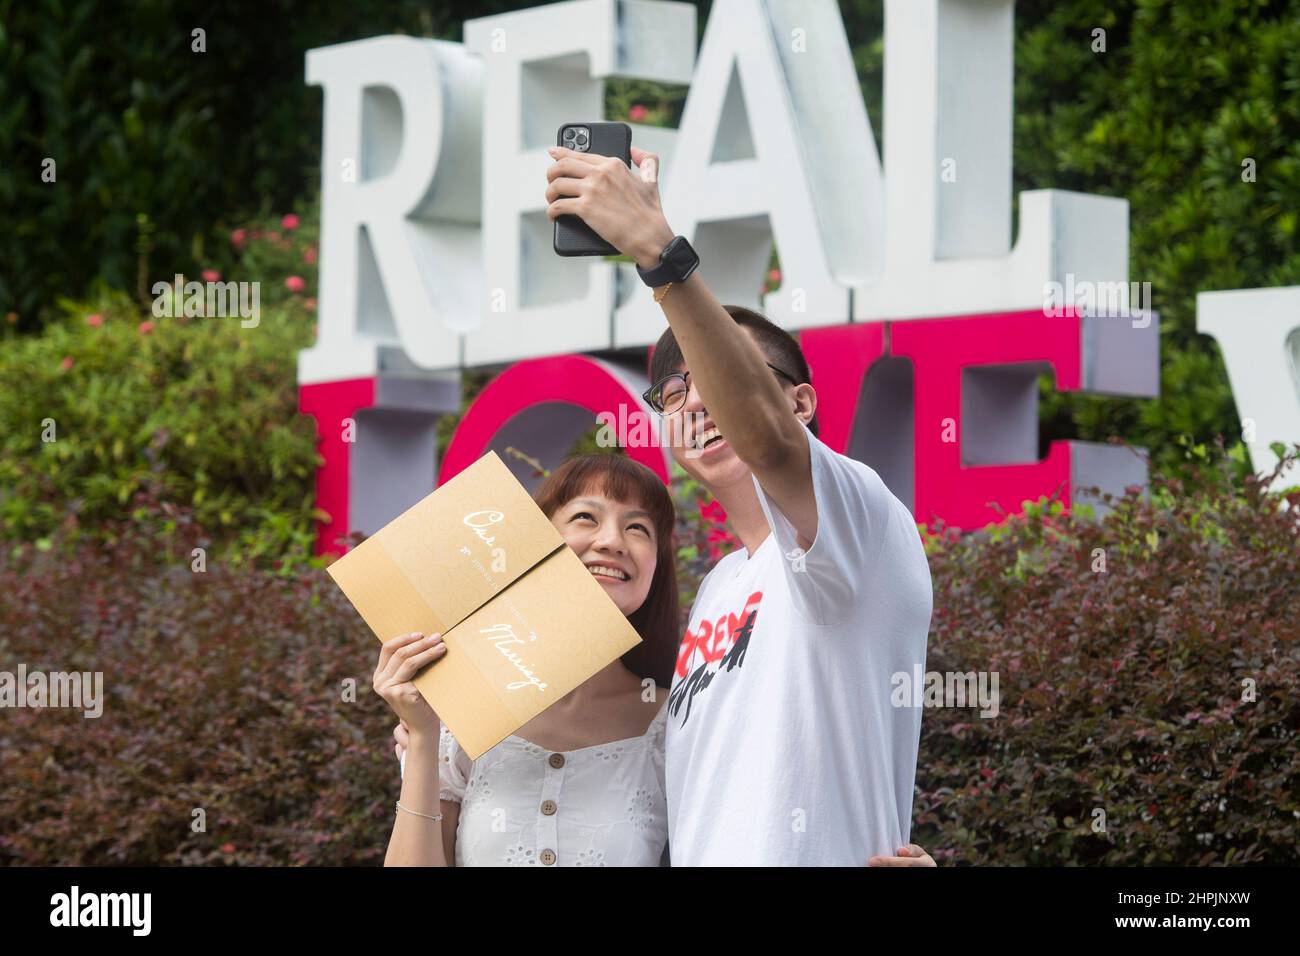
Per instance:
{"type": "Point", "coordinates": [616, 541]}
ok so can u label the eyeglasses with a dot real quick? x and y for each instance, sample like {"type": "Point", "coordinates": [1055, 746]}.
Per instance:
{"type": "Point", "coordinates": [668, 395]}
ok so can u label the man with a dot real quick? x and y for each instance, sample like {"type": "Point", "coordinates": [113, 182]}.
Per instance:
{"type": "Point", "coordinates": [782, 747]}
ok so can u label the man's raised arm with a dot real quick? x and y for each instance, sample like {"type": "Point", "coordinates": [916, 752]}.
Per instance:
{"type": "Point", "coordinates": [743, 397]}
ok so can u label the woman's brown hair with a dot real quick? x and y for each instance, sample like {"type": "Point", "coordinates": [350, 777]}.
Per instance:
{"type": "Point", "coordinates": [621, 479]}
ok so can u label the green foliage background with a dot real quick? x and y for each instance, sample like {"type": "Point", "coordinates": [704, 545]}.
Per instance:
{"type": "Point", "coordinates": [110, 399]}
{"type": "Point", "coordinates": [157, 144]}
{"type": "Point", "coordinates": [161, 149]}
{"type": "Point", "coordinates": [1185, 93]}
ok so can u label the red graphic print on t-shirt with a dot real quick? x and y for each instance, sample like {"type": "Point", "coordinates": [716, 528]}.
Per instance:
{"type": "Point", "coordinates": [723, 640]}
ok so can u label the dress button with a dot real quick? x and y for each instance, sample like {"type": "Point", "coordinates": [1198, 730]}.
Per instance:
{"type": "Point", "coordinates": [548, 807]}
{"type": "Point", "coordinates": [547, 857]}
{"type": "Point", "coordinates": [557, 761]}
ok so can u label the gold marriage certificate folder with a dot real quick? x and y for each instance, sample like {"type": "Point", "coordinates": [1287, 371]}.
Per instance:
{"type": "Point", "coordinates": [478, 562]}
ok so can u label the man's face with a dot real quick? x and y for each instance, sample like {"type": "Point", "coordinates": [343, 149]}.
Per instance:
{"type": "Point", "coordinates": [700, 448]}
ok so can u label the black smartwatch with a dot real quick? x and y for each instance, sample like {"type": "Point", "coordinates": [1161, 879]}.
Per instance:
{"type": "Point", "coordinates": [676, 263]}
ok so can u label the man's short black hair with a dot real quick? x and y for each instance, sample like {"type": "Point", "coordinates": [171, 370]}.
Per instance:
{"type": "Point", "coordinates": [777, 345]}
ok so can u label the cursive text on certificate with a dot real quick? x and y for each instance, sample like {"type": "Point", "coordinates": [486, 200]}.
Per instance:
{"type": "Point", "coordinates": [502, 636]}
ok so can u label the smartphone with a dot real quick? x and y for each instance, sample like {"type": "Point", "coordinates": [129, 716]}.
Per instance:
{"type": "Point", "coordinates": [573, 237]}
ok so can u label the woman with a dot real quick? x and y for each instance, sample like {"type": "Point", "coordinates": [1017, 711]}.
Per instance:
{"type": "Point", "coordinates": [581, 783]}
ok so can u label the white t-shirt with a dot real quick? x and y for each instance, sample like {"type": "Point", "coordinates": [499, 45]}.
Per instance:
{"type": "Point", "coordinates": [782, 745]}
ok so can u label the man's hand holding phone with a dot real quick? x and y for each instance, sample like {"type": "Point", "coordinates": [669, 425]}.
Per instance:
{"type": "Point", "coordinates": [620, 203]}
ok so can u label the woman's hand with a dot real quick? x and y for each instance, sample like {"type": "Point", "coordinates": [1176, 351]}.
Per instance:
{"type": "Point", "coordinates": [621, 204]}
{"type": "Point", "coordinates": [910, 855]}
{"type": "Point", "coordinates": [401, 739]}
{"type": "Point", "coordinates": [399, 661]}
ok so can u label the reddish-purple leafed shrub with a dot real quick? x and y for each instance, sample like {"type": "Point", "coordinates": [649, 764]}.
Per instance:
{"type": "Point", "coordinates": [1123, 691]}
{"type": "Point", "coordinates": [224, 690]}
{"type": "Point", "coordinates": [1157, 699]}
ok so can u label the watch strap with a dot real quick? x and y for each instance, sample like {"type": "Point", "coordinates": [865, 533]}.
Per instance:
{"type": "Point", "coordinates": [668, 270]}
{"type": "Point", "coordinates": [663, 273]}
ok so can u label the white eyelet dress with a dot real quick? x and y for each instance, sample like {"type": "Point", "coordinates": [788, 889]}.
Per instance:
{"type": "Point", "coordinates": [523, 805]}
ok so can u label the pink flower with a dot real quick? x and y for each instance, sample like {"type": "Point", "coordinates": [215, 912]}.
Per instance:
{"type": "Point", "coordinates": [211, 275]}
{"type": "Point", "coordinates": [289, 223]}
{"type": "Point", "coordinates": [146, 327]}
{"type": "Point", "coordinates": [774, 275]}
{"type": "Point", "coordinates": [66, 364]}
{"type": "Point", "coordinates": [309, 305]}
{"type": "Point", "coordinates": [637, 113]}
{"type": "Point", "coordinates": [238, 237]}
{"type": "Point", "coordinates": [714, 512]}
{"type": "Point", "coordinates": [309, 255]}
{"type": "Point", "coordinates": [227, 848]}
{"type": "Point", "coordinates": [95, 320]}
{"type": "Point", "coordinates": [295, 284]}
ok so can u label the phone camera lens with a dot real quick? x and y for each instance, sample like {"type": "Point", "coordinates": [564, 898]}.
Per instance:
{"type": "Point", "coordinates": [582, 139]}
{"type": "Point", "coordinates": [569, 134]}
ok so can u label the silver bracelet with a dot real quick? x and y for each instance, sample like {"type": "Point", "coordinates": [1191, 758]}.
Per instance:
{"type": "Point", "coordinates": [427, 816]}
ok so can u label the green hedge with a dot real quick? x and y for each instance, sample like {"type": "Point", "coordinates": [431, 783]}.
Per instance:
{"type": "Point", "coordinates": [153, 139]}
{"type": "Point", "coordinates": [110, 398]}
{"type": "Point", "coordinates": [1183, 94]}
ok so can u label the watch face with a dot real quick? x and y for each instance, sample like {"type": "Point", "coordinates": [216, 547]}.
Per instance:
{"type": "Point", "coordinates": [682, 257]}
